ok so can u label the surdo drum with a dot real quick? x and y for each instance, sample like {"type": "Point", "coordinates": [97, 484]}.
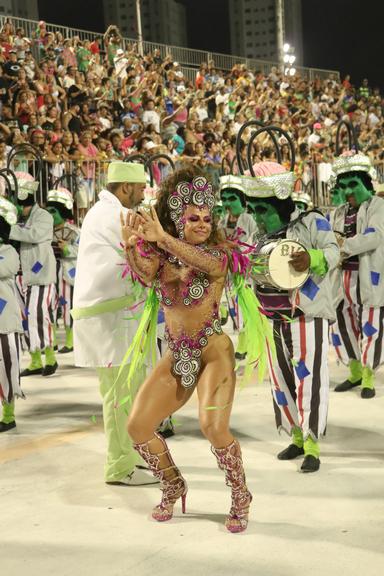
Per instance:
{"type": "Point", "coordinates": [272, 264]}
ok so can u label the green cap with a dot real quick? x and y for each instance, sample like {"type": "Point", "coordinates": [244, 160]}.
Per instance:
{"type": "Point", "coordinates": [126, 172]}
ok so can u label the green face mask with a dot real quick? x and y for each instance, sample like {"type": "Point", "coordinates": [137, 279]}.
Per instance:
{"type": "Point", "coordinates": [354, 189]}
{"type": "Point", "coordinates": [301, 206]}
{"type": "Point", "coordinates": [218, 212]}
{"type": "Point", "coordinates": [231, 202]}
{"type": "Point", "coordinates": [337, 196]}
{"type": "Point", "coordinates": [57, 217]}
{"type": "Point", "coordinates": [250, 206]}
{"type": "Point", "coordinates": [265, 215]}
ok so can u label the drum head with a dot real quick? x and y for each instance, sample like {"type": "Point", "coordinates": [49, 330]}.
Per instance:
{"type": "Point", "coordinates": [281, 272]}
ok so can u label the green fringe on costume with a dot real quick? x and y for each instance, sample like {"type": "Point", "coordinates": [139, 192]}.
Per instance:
{"type": "Point", "coordinates": [258, 331]}
{"type": "Point", "coordinates": [144, 343]}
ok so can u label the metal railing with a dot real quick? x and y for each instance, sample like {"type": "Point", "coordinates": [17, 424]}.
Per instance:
{"type": "Point", "coordinates": [185, 56]}
{"type": "Point", "coordinates": [85, 179]}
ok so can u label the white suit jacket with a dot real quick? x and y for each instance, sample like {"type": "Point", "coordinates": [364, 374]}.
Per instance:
{"type": "Point", "coordinates": [101, 341]}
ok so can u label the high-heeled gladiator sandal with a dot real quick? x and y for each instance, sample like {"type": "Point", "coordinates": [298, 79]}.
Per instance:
{"type": "Point", "coordinates": [229, 459]}
{"type": "Point", "coordinates": [172, 488]}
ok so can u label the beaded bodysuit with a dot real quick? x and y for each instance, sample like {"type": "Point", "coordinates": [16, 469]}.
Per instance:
{"type": "Point", "coordinates": [189, 281]}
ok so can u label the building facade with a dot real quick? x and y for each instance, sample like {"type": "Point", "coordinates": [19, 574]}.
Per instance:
{"type": "Point", "coordinates": [162, 21]}
{"type": "Point", "coordinates": [253, 28]}
{"type": "Point", "coordinates": [20, 8]}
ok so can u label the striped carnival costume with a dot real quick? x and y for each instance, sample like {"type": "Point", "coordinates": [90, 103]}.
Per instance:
{"type": "Point", "coordinates": [34, 231]}
{"type": "Point", "coordinates": [65, 245]}
{"type": "Point", "coordinates": [10, 319]}
{"type": "Point", "coordinates": [299, 317]}
{"type": "Point", "coordinates": [357, 335]}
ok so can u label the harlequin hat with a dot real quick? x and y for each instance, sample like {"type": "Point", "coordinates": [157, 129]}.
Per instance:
{"type": "Point", "coordinates": [352, 161]}
{"type": "Point", "coordinates": [270, 179]}
{"type": "Point", "coordinates": [26, 185]}
{"type": "Point", "coordinates": [8, 211]}
{"type": "Point", "coordinates": [231, 181]}
{"type": "Point", "coordinates": [61, 196]}
{"type": "Point", "coordinates": [303, 197]}
{"type": "Point", "coordinates": [266, 179]}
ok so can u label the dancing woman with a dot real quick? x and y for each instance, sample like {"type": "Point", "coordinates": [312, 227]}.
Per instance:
{"type": "Point", "coordinates": [176, 249]}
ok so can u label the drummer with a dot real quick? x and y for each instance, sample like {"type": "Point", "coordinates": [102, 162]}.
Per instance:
{"type": "Point", "coordinates": [65, 245]}
{"type": "Point", "coordinates": [357, 334]}
{"type": "Point", "coordinates": [302, 201]}
{"type": "Point", "coordinates": [238, 224]}
{"type": "Point", "coordinates": [299, 370]}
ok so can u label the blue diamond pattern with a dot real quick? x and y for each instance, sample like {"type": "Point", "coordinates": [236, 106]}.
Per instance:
{"type": "Point", "coordinates": [72, 272]}
{"type": "Point", "coordinates": [369, 230]}
{"type": "Point", "coordinates": [301, 370]}
{"type": "Point", "coordinates": [25, 325]}
{"type": "Point", "coordinates": [3, 304]}
{"type": "Point", "coordinates": [310, 289]}
{"type": "Point", "coordinates": [281, 398]}
{"type": "Point", "coordinates": [323, 224]}
{"type": "Point", "coordinates": [62, 301]}
{"type": "Point", "coordinates": [369, 330]}
{"type": "Point", "coordinates": [36, 267]}
{"type": "Point", "coordinates": [375, 278]}
{"type": "Point", "coordinates": [336, 340]}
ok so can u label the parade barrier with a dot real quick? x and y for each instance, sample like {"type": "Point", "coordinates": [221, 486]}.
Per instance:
{"type": "Point", "coordinates": [86, 178]}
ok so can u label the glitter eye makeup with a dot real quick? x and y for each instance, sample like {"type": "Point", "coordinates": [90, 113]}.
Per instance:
{"type": "Point", "coordinates": [195, 218]}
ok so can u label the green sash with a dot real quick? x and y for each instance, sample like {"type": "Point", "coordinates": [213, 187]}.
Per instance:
{"type": "Point", "coordinates": [112, 305]}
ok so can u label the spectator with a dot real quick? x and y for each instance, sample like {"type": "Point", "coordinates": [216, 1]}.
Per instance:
{"type": "Point", "coordinates": [314, 138]}
{"type": "Point", "coordinates": [120, 62]}
{"type": "Point", "coordinates": [124, 100]}
{"type": "Point", "coordinates": [83, 56]}
{"type": "Point", "coordinates": [150, 116]}
{"type": "Point", "coordinates": [112, 41]}
{"type": "Point", "coordinates": [94, 47]}
{"type": "Point", "coordinates": [68, 55]}
{"type": "Point", "coordinates": [21, 44]}
{"type": "Point", "coordinates": [89, 153]}
{"type": "Point", "coordinates": [71, 119]}
{"type": "Point", "coordinates": [11, 67]}
{"type": "Point", "coordinates": [364, 89]}
{"type": "Point", "coordinates": [105, 117]}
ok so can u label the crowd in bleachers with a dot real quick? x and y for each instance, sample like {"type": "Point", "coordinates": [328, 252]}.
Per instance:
{"type": "Point", "coordinates": [81, 105]}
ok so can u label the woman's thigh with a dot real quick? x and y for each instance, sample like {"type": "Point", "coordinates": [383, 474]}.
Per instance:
{"type": "Point", "coordinates": [160, 395]}
{"type": "Point", "coordinates": [216, 384]}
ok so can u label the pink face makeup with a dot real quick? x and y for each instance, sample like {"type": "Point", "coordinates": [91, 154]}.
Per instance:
{"type": "Point", "coordinates": [195, 218]}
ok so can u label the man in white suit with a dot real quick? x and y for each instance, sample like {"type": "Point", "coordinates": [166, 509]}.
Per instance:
{"type": "Point", "coordinates": [106, 308]}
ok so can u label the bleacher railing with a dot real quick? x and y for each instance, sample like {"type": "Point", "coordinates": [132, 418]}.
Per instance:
{"type": "Point", "coordinates": [86, 178]}
{"type": "Point", "coordinates": [187, 57]}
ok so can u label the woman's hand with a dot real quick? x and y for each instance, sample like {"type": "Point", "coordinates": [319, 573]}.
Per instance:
{"type": "Point", "coordinates": [129, 228]}
{"type": "Point", "coordinates": [150, 228]}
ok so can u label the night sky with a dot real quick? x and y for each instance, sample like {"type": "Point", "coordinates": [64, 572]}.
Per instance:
{"type": "Point", "coordinates": [338, 34]}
